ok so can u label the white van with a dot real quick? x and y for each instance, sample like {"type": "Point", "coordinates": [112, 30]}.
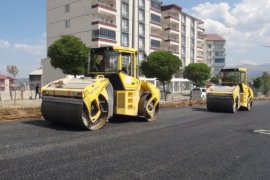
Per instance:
{"type": "Point", "coordinates": [198, 93]}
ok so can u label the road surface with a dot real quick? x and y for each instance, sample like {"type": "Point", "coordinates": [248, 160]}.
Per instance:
{"type": "Point", "coordinates": [188, 143]}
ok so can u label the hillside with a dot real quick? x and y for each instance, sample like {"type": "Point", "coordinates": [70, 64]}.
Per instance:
{"type": "Point", "coordinates": [255, 70]}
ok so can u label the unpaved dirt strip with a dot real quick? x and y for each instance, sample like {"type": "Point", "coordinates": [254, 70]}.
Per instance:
{"type": "Point", "coordinates": [34, 112]}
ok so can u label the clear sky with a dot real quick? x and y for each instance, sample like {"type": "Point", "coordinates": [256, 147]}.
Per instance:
{"type": "Point", "coordinates": [245, 25]}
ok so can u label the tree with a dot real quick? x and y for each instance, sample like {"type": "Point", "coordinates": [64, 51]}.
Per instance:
{"type": "Point", "coordinates": [70, 54]}
{"type": "Point", "coordinates": [266, 82]}
{"type": "Point", "coordinates": [198, 73]}
{"type": "Point", "coordinates": [161, 65]}
{"type": "Point", "coordinates": [214, 79]}
{"type": "Point", "coordinates": [258, 82]}
{"type": "Point", "coordinates": [13, 70]}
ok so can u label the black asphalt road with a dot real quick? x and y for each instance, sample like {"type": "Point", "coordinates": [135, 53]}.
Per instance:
{"type": "Point", "coordinates": [188, 143]}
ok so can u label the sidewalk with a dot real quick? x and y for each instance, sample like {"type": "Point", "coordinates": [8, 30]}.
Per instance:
{"type": "Point", "coordinates": [26, 103]}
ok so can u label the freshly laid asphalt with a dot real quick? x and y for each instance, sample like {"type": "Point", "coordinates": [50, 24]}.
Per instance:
{"type": "Point", "coordinates": [187, 143]}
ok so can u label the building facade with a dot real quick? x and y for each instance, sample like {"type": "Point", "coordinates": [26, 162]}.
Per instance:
{"type": "Point", "coordinates": [214, 52]}
{"type": "Point", "coordinates": [7, 83]}
{"type": "Point", "coordinates": [146, 25]}
{"type": "Point", "coordinates": [35, 77]}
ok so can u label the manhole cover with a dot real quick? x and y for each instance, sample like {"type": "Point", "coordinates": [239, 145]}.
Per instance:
{"type": "Point", "coordinates": [262, 131]}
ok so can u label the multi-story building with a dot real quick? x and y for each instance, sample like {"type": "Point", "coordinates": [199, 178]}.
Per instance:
{"type": "Point", "coordinates": [7, 83]}
{"type": "Point", "coordinates": [214, 52]}
{"type": "Point", "coordinates": [145, 25]}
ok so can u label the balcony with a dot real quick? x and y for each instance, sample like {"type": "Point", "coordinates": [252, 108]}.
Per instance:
{"type": "Point", "coordinates": [199, 48]}
{"type": "Point", "coordinates": [104, 7]}
{"type": "Point", "coordinates": [200, 30]}
{"type": "Point", "coordinates": [200, 58]}
{"type": "Point", "coordinates": [168, 44]}
{"type": "Point", "coordinates": [156, 25]}
{"type": "Point", "coordinates": [174, 51]}
{"type": "Point", "coordinates": [156, 35]}
{"type": "Point", "coordinates": [219, 49]}
{"type": "Point", "coordinates": [173, 41]}
{"type": "Point", "coordinates": [104, 35]}
{"type": "Point", "coordinates": [105, 21]}
{"type": "Point", "coordinates": [172, 19]}
{"type": "Point", "coordinates": [200, 37]}
{"type": "Point", "coordinates": [156, 9]}
{"type": "Point", "coordinates": [172, 29]}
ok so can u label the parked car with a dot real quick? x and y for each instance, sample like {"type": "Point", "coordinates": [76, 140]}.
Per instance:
{"type": "Point", "coordinates": [198, 93]}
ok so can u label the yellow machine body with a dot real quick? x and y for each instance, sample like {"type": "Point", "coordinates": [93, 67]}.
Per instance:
{"type": "Point", "coordinates": [112, 88]}
{"type": "Point", "coordinates": [232, 94]}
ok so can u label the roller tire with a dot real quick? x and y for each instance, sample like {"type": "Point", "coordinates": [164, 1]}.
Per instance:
{"type": "Point", "coordinates": [143, 103]}
{"type": "Point", "coordinates": [101, 121]}
{"type": "Point", "coordinates": [235, 106]}
{"type": "Point", "coordinates": [249, 105]}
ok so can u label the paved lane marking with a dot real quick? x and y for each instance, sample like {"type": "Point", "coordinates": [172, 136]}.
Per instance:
{"type": "Point", "coordinates": [262, 131]}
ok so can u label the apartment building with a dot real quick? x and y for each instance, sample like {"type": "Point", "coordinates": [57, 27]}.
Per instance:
{"type": "Point", "coordinates": [146, 25]}
{"type": "Point", "coordinates": [7, 83]}
{"type": "Point", "coordinates": [214, 52]}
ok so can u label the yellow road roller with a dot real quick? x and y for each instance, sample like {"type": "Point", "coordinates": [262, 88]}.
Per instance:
{"type": "Point", "coordinates": [111, 88]}
{"type": "Point", "coordinates": [232, 94]}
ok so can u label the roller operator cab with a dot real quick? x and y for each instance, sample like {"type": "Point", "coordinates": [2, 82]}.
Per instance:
{"type": "Point", "coordinates": [232, 94]}
{"type": "Point", "coordinates": [111, 88]}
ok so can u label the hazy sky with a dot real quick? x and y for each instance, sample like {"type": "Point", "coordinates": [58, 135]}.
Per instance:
{"type": "Point", "coordinates": [243, 23]}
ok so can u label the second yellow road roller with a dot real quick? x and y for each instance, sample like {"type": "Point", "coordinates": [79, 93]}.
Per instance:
{"type": "Point", "coordinates": [232, 94]}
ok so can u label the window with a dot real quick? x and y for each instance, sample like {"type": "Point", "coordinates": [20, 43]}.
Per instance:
{"type": "Point", "coordinates": [141, 56]}
{"type": "Point", "coordinates": [124, 24]}
{"type": "Point", "coordinates": [219, 46]}
{"type": "Point", "coordinates": [67, 23]}
{"type": "Point", "coordinates": [156, 5]}
{"type": "Point", "coordinates": [127, 63]}
{"type": "Point", "coordinates": [104, 33]}
{"type": "Point", "coordinates": [192, 54]}
{"type": "Point", "coordinates": [141, 3]}
{"type": "Point", "coordinates": [219, 54]}
{"type": "Point", "coordinates": [124, 9]}
{"type": "Point", "coordinates": [141, 43]}
{"type": "Point", "coordinates": [183, 29]}
{"type": "Point", "coordinates": [67, 8]}
{"type": "Point", "coordinates": [192, 42]}
{"type": "Point", "coordinates": [141, 29]}
{"type": "Point", "coordinates": [183, 40]}
{"type": "Point", "coordinates": [183, 51]}
{"type": "Point", "coordinates": [103, 61]}
{"type": "Point", "coordinates": [221, 61]}
{"type": "Point", "coordinates": [141, 15]}
{"type": "Point", "coordinates": [183, 19]}
{"type": "Point", "coordinates": [155, 43]}
{"type": "Point", "coordinates": [155, 18]}
{"type": "Point", "coordinates": [209, 46]}
{"type": "Point", "coordinates": [124, 39]}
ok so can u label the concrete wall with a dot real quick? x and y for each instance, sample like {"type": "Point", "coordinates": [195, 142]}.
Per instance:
{"type": "Point", "coordinates": [50, 73]}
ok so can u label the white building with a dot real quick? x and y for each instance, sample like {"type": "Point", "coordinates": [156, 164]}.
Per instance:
{"type": "Point", "coordinates": [214, 52]}
{"type": "Point", "coordinates": [145, 25]}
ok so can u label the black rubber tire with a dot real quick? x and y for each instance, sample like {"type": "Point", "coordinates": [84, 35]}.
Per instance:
{"type": "Point", "coordinates": [102, 118]}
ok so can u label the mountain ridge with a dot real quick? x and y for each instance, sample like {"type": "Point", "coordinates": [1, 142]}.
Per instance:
{"type": "Point", "coordinates": [254, 70]}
